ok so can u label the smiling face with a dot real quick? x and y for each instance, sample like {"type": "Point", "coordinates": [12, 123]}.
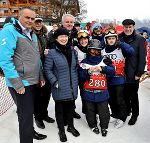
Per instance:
{"type": "Point", "coordinates": [68, 23]}
{"type": "Point", "coordinates": [84, 41]}
{"type": "Point", "coordinates": [62, 39]}
{"type": "Point", "coordinates": [27, 18]}
{"type": "Point", "coordinates": [38, 25]}
{"type": "Point", "coordinates": [128, 29]}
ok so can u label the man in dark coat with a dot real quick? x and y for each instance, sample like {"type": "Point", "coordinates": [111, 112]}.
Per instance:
{"type": "Point", "coordinates": [134, 68]}
{"type": "Point", "coordinates": [42, 93]}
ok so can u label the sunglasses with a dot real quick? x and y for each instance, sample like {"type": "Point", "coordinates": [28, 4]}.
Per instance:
{"type": "Point", "coordinates": [82, 34]}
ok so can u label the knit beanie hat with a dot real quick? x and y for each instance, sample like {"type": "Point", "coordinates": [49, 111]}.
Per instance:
{"type": "Point", "coordinates": [61, 31]}
{"type": "Point", "coordinates": [96, 26]}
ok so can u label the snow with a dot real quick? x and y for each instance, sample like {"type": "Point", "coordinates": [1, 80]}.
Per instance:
{"type": "Point", "coordinates": [139, 133]}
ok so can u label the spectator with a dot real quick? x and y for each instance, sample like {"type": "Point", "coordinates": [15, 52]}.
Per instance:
{"type": "Point", "coordinates": [77, 26]}
{"type": "Point", "coordinates": [97, 33]}
{"type": "Point", "coordinates": [51, 39]}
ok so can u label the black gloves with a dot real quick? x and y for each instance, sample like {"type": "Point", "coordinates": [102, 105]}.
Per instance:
{"type": "Point", "coordinates": [107, 61]}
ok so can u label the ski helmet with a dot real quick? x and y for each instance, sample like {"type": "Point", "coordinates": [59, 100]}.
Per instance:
{"type": "Point", "coordinates": [110, 32]}
{"type": "Point", "coordinates": [95, 44]}
{"type": "Point", "coordinates": [83, 34]}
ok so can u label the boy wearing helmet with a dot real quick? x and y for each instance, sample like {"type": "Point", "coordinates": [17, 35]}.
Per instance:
{"type": "Point", "coordinates": [117, 51]}
{"type": "Point", "coordinates": [95, 93]}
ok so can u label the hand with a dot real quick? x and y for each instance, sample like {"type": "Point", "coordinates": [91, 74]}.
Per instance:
{"type": "Point", "coordinates": [148, 72]}
{"type": "Point", "coordinates": [21, 91]}
{"type": "Point", "coordinates": [46, 52]}
{"type": "Point", "coordinates": [42, 83]}
{"type": "Point", "coordinates": [137, 77]}
{"type": "Point", "coordinates": [107, 61]}
{"type": "Point", "coordinates": [95, 68]}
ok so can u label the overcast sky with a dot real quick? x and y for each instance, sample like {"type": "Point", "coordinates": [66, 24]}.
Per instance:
{"type": "Point", "coordinates": [118, 9]}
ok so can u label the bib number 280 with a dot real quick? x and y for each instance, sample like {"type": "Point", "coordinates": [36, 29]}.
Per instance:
{"type": "Point", "coordinates": [97, 83]}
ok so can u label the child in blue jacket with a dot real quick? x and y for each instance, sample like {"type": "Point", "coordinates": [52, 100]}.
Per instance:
{"type": "Point", "coordinates": [93, 72]}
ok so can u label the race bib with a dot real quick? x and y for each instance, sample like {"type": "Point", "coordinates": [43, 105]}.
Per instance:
{"type": "Point", "coordinates": [97, 81]}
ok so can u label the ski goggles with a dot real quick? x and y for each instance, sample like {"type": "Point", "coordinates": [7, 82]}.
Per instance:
{"type": "Point", "coordinates": [97, 28]}
{"type": "Point", "coordinates": [110, 31]}
{"type": "Point", "coordinates": [82, 34]}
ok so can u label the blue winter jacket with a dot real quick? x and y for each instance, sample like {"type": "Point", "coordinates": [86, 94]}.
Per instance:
{"type": "Point", "coordinates": [57, 71]}
{"type": "Point", "coordinates": [19, 57]}
{"type": "Point", "coordinates": [109, 70]}
{"type": "Point", "coordinates": [127, 52]}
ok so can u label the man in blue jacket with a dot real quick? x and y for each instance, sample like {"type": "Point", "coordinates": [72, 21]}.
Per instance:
{"type": "Point", "coordinates": [134, 68]}
{"type": "Point", "coordinates": [20, 62]}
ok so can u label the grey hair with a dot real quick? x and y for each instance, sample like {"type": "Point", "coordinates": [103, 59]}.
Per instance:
{"type": "Point", "coordinates": [24, 8]}
{"type": "Point", "coordinates": [66, 15]}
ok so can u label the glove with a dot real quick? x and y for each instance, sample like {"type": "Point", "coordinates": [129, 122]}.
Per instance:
{"type": "Point", "coordinates": [107, 61]}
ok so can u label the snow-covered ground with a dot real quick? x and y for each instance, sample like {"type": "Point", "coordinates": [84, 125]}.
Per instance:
{"type": "Point", "coordinates": [139, 133]}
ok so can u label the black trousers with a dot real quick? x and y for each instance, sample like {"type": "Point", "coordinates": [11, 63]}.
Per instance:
{"type": "Point", "coordinates": [83, 101]}
{"type": "Point", "coordinates": [131, 98]}
{"type": "Point", "coordinates": [102, 109]}
{"type": "Point", "coordinates": [64, 113]}
{"type": "Point", "coordinates": [41, 100]}
{"type": "Point", "coordinates": [117, 102]}
{"type": "Point", "coordinates": [25, 109]}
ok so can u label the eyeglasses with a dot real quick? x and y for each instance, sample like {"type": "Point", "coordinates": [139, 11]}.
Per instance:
{"type": "Point", "coordinates": [110, 31]}
{"type": "Point", "coordinates": [82, 34]}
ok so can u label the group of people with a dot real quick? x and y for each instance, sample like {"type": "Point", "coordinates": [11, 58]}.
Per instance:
{"type": "Point", "coordinates": [105, 66]}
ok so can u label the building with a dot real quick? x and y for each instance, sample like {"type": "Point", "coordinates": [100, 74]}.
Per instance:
{"type": "Point", "coordinates": [49, 10]}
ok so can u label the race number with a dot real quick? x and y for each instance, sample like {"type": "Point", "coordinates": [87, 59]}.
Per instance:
{"type": "Point", "coordinates": [96, 82]}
